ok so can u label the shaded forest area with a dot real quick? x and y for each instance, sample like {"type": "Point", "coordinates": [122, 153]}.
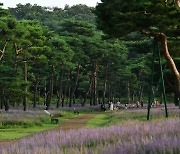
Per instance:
{"type": "Point", "coordinates": [54, 56]}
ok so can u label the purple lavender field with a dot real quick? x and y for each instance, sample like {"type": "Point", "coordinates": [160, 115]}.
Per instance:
{"type": "Point", "coordinates": [159, 136]}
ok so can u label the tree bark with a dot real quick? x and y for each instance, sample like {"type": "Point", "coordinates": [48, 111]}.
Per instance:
{"type": "Point", "coordinates": [2, 51]}
{"type": "Point", "coordinates": [65, 89]}
{"type": "Point", "coordinates": [50, 93]}
{"type": "Point", "coordinates": [87, 91]}
{"type": "Point", "coordinates": [95, 95]}
{"type": "Point", "coordinates": [45, 92]}
{"type": "Point", "coordinates": [35, 92]}
{"type": "Point", "coordinates": [75, 85]}
{"type": "Point", "coordinates": [105, 85]}
{"type": "Point", "coordinates": [128, 92]}
{"type": "Point", "coordinates": [26, 87]}
{"type": "Point", "coordinates": [140, 93]}
{"type": "Point", "coordinates": [17, 52]}
{"type": "Point", "coordinates": [161, 37]}
{"type": "Point", "coordinates": [59, 92]}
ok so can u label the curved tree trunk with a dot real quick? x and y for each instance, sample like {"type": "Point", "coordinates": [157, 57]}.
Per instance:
{"type": "Point", "coordinates": [162, 38]}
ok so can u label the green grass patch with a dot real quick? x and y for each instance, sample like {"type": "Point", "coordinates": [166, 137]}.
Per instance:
{"type": "Point", "coordinates": [100, 120]}
{"type": "Point", "coordinates": [15, 133]}
{"type": "Point", "coordinates": [16, 128]}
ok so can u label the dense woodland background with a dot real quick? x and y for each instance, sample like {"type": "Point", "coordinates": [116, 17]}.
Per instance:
{"type": "Point", "coordinates": [54, 56]}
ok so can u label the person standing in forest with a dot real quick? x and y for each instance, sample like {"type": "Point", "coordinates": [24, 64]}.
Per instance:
{"type": "Point", "coordinates": [111, 106]}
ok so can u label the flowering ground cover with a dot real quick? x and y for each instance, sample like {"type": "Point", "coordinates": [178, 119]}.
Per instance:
{"type": "Point", "coordinates": [136, 137]}
{"type": "Point", "coordinates": [131, 135]}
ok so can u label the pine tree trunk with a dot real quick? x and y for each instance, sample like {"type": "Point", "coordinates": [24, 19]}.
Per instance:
{"type": "Point", "coordinates": [65, 89]}
{"type": "Point", "coordinates": [177, 92]}
{"type": "Point", "coordinates": [35, 92]}
{"type": "Point", "coordinates": [17, 52]}
{"type": "Point", "coordinates": [162, 38]}
{"type": "Point", "coordinates": [50, 93]}
{"type": "Point", "coordinates": [109, 92]}
{"type": "Point", "coordinates": [6, 104]}
{"type": "Point", "coordinates": [95, 99]}
{"type": "Point", "coordinates": [59, 92]}
{"type": "Point", "coordinates": [2, 51]}
{"type": "Point", "coordinates": [38, 96]}
{"type": "Point", "coordinates": [26, 88]}
{"type": "Point", "coordinates": [105, 85]}
{"type": "Point", "coordinates": [45, 92]}
{"type": "Point", "coordinates": [133, 97]}
{"type": "Point", "coordinates": [128, 92]}
{"type": "Point", "coordinates": [140, 93]}
{"type": "Point", "coordinates": [75, 85]}
{"type": "Point", "coordinates": [1, 103]}
{"type": "Point", "coordinates": [92, 92]}
{"type": "Point", "coordinates": [87, 91]}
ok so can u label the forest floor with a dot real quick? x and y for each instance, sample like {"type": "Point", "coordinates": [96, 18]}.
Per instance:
{"type": "Point", "coordinates": [77, 122]}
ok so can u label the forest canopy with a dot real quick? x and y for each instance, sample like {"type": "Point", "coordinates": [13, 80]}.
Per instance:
{"type": "Point", "coordinates": [55, 56]}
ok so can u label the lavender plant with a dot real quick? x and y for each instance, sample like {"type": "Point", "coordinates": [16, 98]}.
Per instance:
{"type": "Point", "coordinates": [136, 137]}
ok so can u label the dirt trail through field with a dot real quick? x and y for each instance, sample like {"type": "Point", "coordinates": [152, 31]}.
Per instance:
{"type": "Point", "coordinates": [77, 122]}
{"type": "Point", "coordinates": [80, 121]}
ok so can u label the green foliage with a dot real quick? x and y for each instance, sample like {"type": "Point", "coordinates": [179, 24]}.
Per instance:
{"type": "Point", "coordinates": [118, 18]}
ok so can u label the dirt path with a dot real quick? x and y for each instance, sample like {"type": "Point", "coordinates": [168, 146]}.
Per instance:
{"type": "Point", "coordinates": [77, 122]}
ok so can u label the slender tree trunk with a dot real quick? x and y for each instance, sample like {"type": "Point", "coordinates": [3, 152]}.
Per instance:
{"type": "Point", "coordinates": [133, 97]}
{"type": "Point", "coordinates": [38, 96]}
{"type": "Point", "coordinates": [6, 104]}
{"type": "Point", "coordinates": [87, 91]}
{"type": "Point", "coordinates": [59, 92]}
{"type": "Point", "coordinates": [17, 52]}
{"type": "Point", "coordinates": [140, 93]}
{"type": "Point", "coordinates": [92, 92]}
{"type": "Point", "coordinates": [65, 89]}
{"type": "Point", "coordinates": [95, 95]}
{"type": "Point", "coordinates": [75, 85]}
{"type": "Point", "coordinates": [109, 92]}
{"type": "Point", "coordinates": [26, 87]}
{"type": "Point", "coordinates": [69, 95]}
{"type": "Point", "coordinates": [5, 101]}
{"type": "Point", "coordinates": [105, 85]}
{"type": "Point", "coordinates": [128, 92]}
{"type": "Point", "coordinates": [50, 93]}
{"type": "Point", "coordinates": [2, 103]}
{"type": "Point", "coordinates": [45, 92]}
{"type": "Point", "coordinates": [35, 92]}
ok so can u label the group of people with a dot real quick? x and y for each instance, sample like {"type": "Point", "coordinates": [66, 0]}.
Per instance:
{"type": "Point", "coordinates": [110, 106]}
{"type": "Point", "coordinates": [118, 105]}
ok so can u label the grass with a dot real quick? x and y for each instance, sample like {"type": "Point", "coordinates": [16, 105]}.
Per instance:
{"type": "Point", "coordinates": [25, 125]}
{"type": "Point", "coordinates": [124, 116]}
{"type": "Point", "coordinates": [99, 121]}
{"type": "Point", "coordinates": [15, 133]}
